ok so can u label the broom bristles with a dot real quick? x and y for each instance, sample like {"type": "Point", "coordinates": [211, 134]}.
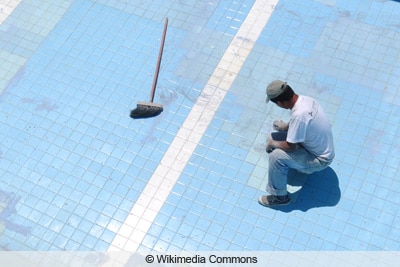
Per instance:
{"type": "Point", "coordinates": [146, 110]}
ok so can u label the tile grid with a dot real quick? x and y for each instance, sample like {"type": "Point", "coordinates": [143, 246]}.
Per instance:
{"type": "Point", "coordinates": [137, 225]}
{"type": "Point", "coordinates": [352, 77]}
{"type": "Point", "coordinates": [348, 169]}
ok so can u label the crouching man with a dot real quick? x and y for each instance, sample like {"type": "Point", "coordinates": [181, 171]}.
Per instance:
{"type": "Point", "coordinates": [307, 148]}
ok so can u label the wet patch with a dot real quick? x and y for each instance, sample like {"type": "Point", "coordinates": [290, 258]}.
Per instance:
{"type": "Point", "coordinates": [44, 104]}
{"type": "Point", "coordinates": [8, 203]}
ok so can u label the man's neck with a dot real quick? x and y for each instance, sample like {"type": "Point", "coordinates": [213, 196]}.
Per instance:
{"type": "Point", "coordinates": [293, 100]}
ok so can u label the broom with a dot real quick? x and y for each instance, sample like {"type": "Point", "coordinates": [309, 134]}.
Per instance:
{"type": "Point", "coordinates": [150, 109]}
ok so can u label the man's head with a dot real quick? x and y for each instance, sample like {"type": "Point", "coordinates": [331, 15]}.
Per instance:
{"type": "Point", "coordinates": [281, 94]}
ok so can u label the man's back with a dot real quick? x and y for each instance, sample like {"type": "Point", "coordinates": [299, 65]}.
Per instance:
{"type": "Point", "coordinates": [310, 126]}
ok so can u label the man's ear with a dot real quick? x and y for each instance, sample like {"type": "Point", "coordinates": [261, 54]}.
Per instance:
{"type": "Point", "coordinates": [283, 104]}
{"type": "Point", "coordinates": [280, 104]}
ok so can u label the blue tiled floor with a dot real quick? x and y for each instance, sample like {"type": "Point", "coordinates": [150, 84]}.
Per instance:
{"type": "Point", "coordinates": [73, 163]}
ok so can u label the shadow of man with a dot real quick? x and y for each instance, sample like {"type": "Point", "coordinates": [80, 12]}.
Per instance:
{"type": "Point", "coordinates": [319, 189]}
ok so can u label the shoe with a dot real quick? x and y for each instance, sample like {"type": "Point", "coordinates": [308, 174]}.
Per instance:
{"type": "Point", "coordinates": [272, 201]}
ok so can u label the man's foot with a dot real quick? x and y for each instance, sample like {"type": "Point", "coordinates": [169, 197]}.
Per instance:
{"type": "Point", "coordinates": [272, 201]}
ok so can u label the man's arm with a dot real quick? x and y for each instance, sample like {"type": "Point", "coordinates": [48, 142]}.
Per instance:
{"type": "Point", "coordinates": [284, 145]}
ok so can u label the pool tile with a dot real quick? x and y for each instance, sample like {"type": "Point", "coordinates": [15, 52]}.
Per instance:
{"type": "Point", "coordinates": [73, 71]}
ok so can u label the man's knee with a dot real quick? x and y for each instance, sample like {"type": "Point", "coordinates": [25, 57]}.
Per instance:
{"type": "Point", "coordinates": [276, 155]}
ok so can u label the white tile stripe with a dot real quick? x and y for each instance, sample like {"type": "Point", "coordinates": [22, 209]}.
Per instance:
{"type": "Point", "coordinates": [182, 147]}
{"type": "Point", "coordinates": [6, 8]}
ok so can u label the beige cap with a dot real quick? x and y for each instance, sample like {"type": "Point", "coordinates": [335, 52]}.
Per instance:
{"type": "Point", "coordinates": [274, 89]}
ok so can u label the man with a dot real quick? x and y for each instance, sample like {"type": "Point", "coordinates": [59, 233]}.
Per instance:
{"type": "Point", "coordinates": [307, 146]}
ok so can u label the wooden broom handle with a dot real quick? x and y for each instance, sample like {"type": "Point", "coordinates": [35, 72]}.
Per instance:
{"type": "Point", "coordinates": [153, 88]}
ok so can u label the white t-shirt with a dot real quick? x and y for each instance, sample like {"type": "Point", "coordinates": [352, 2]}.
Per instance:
{"type": "Point", "coordinates": [310, 127]}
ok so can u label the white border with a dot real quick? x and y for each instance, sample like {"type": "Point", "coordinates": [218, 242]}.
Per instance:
{"type": "Point", "coordinates": [7, 8]}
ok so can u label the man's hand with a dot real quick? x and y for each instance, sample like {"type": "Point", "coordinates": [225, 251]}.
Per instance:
{"type": "Point", "coordinates": [280, 126]}
{"type": "Point", "coordinates": [270, 146]}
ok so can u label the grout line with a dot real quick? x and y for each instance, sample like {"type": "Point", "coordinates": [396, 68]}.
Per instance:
{"type": "Point", "coordinates": [156, 192]}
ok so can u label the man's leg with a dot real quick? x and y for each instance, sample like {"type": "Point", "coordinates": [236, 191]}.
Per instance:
{"type": "Point", "coordinates": [278, 172]}
{"type": "Point", "coordinates": [277, 180]}
{"type": "Point", "coordinates": [279, 164]}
